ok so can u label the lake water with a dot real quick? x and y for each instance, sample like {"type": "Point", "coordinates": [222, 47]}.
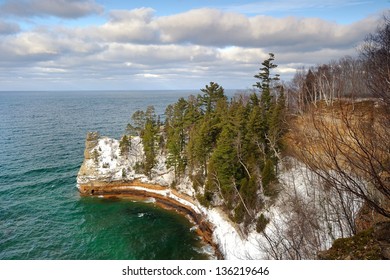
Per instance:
{"type": "Point", "coordinates": [42, 216]}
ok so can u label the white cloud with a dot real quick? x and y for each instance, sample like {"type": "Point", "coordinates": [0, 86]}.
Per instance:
{"type": "Point", "coordinates": [148, 75]}
{"type": "Point", "coordinates": [216, 28]}
{"type": "Point", "coordinates": [50, 70]}
{"type": "Point", "coordinates": [210, 27]}
{"type": "Point", "coordinates": [58, 8]}
{"type": "Point", "coordinates": [136, 15]}
{"type": "Point", "coordinates": [183, 50]}
{"type": "Point", "coordinates": [205, 27]}
{"type": "Point", "coordinates": [129, 26]}
{"type": "Point", "coordinates": [242, 55]}
{"type": "Point", "coordinates": [286, 70]}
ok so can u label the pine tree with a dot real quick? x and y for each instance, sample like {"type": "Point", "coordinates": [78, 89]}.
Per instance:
{"type": "Point", "coordinates": [268, 176]}
{"type": "Point", "coordinates": [139, 120]}
{"type": "Point", "coordinates": [192, 113]}
{"type": "Point", "coordinates": [223, 164]}
{"type": "Point", "coordinates": [199, 146]}
{"type": "Point", "coordinates": [177, 137]}
{"type": "Point", "coordinates": [255, 131]}
{"type": "Point", "coordinates": [149, 142]}
{"type": "Point", "coordinates": [270, 121]}
{"type": "Point", "coordinates": [149, 137]}
{"type": "Point", "coordinates": [124, 146]}
{"type": "Point", "coordinates": [277, 125]}
{"type": "Point", "coordinates": [212, 93]}
{"type": "Point", "coordinates": [265, 77]}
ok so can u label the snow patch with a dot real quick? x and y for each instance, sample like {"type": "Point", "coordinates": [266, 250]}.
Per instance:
{"type": "Point", "coordinates": [297, 182]}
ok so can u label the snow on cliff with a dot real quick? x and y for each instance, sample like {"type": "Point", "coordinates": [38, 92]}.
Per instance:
{"type": "Point", "coordinates": [301, 200]}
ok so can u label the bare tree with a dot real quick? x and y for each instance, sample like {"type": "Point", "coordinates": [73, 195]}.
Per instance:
{"type": "Point", "coordinates": [349, 149]}
{"type": "Point", "coordinates": [375, 53]}
{"type": "Point", "coordinates": [343, 78]}
{"type": "Point", "coordinates": [308, 217]}
{"type": "Point", "coordinates": [352, 76]}
{"type": "Point", "coordinates": [295, 92]}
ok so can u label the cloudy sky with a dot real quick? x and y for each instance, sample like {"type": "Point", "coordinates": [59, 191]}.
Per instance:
{"type": "Point", "coordinates": [172, 44]}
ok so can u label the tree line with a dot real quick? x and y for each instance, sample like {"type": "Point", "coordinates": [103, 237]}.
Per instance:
{"type": "Point", "coordinates": [229, 148]}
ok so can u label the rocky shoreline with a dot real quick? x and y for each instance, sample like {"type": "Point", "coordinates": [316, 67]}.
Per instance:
{"type": "Point", "coordinates": [106, 172]}
{"type": "Point", "coordinates": [102, 174]}
{"type": "Point", "coordinates": [163, 197]}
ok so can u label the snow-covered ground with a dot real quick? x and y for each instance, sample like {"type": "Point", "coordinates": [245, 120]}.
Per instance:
{"type": "Point", "coordinates": [300, 210]}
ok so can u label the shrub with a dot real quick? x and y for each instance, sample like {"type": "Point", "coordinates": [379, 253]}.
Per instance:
{"type": "Point", "coordinates": [203, 200]}
{"type": "Point", "coordinates": [239, 214]}
{"type": "Point", "coordinates": [261, 223]}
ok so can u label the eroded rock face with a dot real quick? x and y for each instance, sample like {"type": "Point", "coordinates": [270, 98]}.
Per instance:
{"type": "Point", "coordinates": [88, 168]}
{"type": "Point", "coordinates": [90, 143]}
{"type": "Point", "coordinates": [382, 235]}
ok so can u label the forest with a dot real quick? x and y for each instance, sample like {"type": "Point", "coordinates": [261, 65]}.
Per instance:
{"type": "Point", "coordinates": [334, 118]}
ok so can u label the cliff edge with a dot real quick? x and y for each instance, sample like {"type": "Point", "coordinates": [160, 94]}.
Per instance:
{"type": "Point", "coordinates": [105, 163]}
{"type": "Point", "coordinates": [106, 172]}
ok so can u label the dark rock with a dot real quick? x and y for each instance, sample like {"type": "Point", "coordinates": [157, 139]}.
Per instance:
{"type": "Point", "coordinates": [382, 235]}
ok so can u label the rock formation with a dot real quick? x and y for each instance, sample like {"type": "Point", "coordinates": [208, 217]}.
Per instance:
{"type": "Point", "coordinates": [88, 169]}
{"type": "Point", "coordinates": [90, 143]}
{"type": "Point", "coordinates": [105, 173]}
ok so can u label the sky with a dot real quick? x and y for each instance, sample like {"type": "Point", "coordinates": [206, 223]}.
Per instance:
{"type": "Point", "coordinates": [172, 44]}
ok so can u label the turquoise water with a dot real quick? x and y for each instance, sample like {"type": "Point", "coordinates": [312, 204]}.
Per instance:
{"type": "Point", "coordinates": [42, 216]}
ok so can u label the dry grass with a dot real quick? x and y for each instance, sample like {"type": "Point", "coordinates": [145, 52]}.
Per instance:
{"type": "Point", "coordinates": [352, 139]}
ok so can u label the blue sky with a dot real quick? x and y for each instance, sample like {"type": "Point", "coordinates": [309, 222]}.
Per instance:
{"type": "Point", "coordinates": [172, 44]}
{"type": "Point", "coordinates": [342, 11]}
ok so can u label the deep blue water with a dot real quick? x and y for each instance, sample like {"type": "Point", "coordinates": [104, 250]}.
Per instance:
{"type": "Point", "coordinates": [42, 216]}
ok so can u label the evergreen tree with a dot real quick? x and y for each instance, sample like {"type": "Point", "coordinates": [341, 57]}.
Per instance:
{"type": "Point", "coordinates": [192, 113]}
{"type": "Point", "coordinates": [199, 146]}
{"type": "Point", "coordinates": [177, 137]}
{"type": "Point", "coordinates": [268, 176]}
{"type": "Point", "coordinates": [149, 142]}
{"type": "Point", "coordinates": [124, 146]}
{"type": "Point", "coordinates": [265, 77]}
{"type": "Point", "coordinates": [223, 164]}
{"type": "Point", "coordinates": [270, 125]}
{"type": "Point", "coordinates": [212, 93]}
{"type": "Point", "coordinates": [149, 137]}
{"type": "Point", "coordinates": [139, 121]}
{"type": "Point", "coordinates": [277, 125]}
{"type": "Point", "coordinates": [255, 131]}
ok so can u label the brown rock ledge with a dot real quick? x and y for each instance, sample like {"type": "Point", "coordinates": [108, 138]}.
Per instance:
{"type": "Point", "coordinates": [129, 190]}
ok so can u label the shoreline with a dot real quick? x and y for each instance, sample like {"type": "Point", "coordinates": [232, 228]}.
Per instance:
{"type": "Point", "coordinates": [163, 197]}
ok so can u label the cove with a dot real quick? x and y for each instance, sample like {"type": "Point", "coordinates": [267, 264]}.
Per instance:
{"type": "Point", "coordinates": [121, 228]}
{"type": "Point", "coordinates": [162, 197]}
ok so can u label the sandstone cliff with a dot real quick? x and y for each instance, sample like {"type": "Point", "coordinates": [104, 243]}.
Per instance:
{"type": "Point", "coordinates": [106, 173]}
{"type": "Point", "coordinates": [298, 212]}
{"type": "Point", "coordinates": [103, 163]}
